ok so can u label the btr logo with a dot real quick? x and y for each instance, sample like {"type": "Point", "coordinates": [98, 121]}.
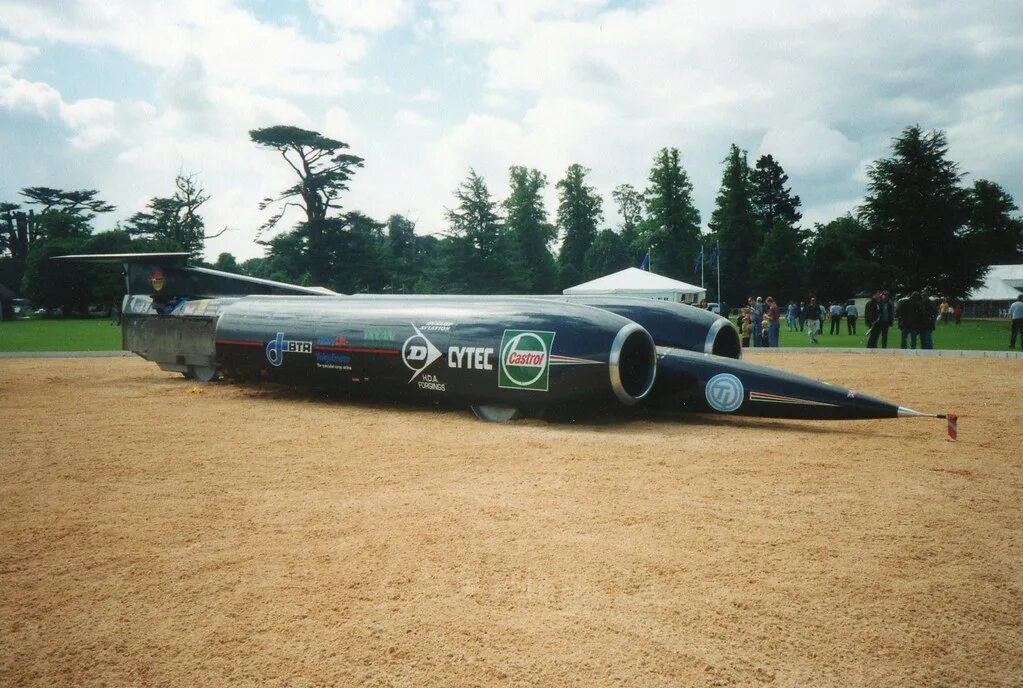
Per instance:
{"type": "Point", "coordinates": [525, 361]}
{"type": "Point", "coordinates": [278, 346]}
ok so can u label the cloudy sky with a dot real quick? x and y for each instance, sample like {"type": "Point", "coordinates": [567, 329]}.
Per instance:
{"type": "Point", "coordinates": [119, 95]}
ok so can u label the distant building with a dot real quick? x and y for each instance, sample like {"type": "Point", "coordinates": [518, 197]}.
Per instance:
{"type": "Point", "coordinates": [1002, 284]}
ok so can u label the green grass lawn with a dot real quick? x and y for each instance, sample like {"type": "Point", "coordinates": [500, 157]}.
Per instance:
{"type": "Point", "coordinates": [57, 334]}
{"type": "Point", "coordinates": [978, 335]}
{"type": "Point", "coordinates": [97, 334]}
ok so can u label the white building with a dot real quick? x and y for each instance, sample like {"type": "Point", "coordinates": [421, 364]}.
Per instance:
{"type": "Point", "coordinates": [1002, 284]}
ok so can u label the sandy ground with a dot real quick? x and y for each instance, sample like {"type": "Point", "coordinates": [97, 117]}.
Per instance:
{"type": "Point", "coordinates": [156, 532]}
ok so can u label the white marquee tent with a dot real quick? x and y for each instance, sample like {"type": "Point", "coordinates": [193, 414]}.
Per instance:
{"type": "Point", "coordinates": [636, 282]}
{"type": "Point", "coordinates": [1002, 284]}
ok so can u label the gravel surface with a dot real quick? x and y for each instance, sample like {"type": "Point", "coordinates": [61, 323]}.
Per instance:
{"type": "Point", "coordinates": [154, 531]}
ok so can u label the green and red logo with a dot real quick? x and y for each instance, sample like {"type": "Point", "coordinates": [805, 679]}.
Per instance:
{"type": "Point", "coordinates": [525, 360]}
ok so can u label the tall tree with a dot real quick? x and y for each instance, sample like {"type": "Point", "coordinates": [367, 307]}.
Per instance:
{"type": "Point", "coordinates": [630, 208]}
{"type": "Point", "coordinates": [401, 245]}
{"type": "Point", "coordinates": [994, 232]}
{"type": "Point", "coordinates": [175, 218]}
{"type": "Point", "coordinates": [579, 212]}
{"type": "Point", "coordinates": [607, 254]}
{"type": "Point", "coordinates": [64, 213]}
{"type": "Point", "coordinates": [778, 264]}
{"type": "Point", "coordinates": [475, 261]}
{"type": "Point", "coordinates": [917, 212]}
{"type": "Point", "coordinates": [13, 245]}
{"type": "Point", "coordinates": [529, 232]}
{"type": "Point", "coordinates": [672, 226]}
{"type": "Point", "coordinates": [61, 215]}
{"type": "Point", "coordinates": [734, 227]}
{"type": "Point", "coordinates": [323, 169]}
{"type": "Point", "coordinates": [357, 254]}
{"type": "Point", "coordinates": [839, 264]}
{"type": "Point", "coordinates": [228, 263]}
{"type": "Point", "coordinates": [73, 287]}
{"type": "Point", "coordinates": [772, 202]}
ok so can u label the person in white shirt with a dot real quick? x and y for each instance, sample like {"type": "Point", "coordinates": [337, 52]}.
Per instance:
{"type": "Point", "coordinates": [836, 311]}
{"type": "Point", "coordinates": [851, 313]}
{"type": "Point", "coordinates": [1016, 316]}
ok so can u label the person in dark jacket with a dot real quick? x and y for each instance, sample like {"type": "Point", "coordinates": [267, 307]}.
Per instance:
{"type": "Point", "coordinates": [813, 317]}
{"type": "Point", "coordinates": [910, 317]}
{"type": "Point", "coordinates": [883, 317]}
{"type": "Point", "coordinates": [928, 318]}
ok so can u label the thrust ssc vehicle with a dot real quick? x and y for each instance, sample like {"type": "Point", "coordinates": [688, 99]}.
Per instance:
{"type": "Point", "coordinates": [503, 356]}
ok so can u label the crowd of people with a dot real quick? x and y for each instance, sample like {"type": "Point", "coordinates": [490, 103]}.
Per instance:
{"type": "Point", "coordinates": [759, 321]}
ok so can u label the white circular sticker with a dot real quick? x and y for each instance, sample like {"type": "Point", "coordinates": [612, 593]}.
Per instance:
{"type": "Point", "coordinates": [724, 392]}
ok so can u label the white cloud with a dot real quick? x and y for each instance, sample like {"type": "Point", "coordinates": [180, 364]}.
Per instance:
{"type": "Point", "coordinates": [810, 148]}
{"type": "Point", "coordinates": [378, 15]}
{"type": "Point", "coordinates": [824, 87]}
{"type": "Point", "coordinates": [820, 86]}
{"type": "Point", "coordinates": [232, 45]}
{"type": "Point", "coordinates": [338, 124]}
{"type": "Point", "coordinates": [12, 54]}
{"type": "Point", "coordinates": [427, 95]}
{"type": "Point", "coordinates": [411, 118]}
{"type": "Point", "coordinates": [504, 20]}
{"type": "Point", "coordinates": [96, 121]}
{"type": "Point", "coordinates": [25, 95]}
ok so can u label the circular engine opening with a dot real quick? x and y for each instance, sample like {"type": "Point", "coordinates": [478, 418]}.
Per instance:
{"type": "Point", "coordinates": [633, 364]}
{"type": "Point", "coordinates": [723, 340]}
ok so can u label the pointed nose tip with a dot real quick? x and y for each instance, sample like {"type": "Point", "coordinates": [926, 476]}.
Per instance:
{"type": "Point", "coordinates": [910, 413]}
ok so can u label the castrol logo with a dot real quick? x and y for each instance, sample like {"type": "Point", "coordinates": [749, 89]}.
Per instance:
{"type": "Point", "coordinates": [525, 360]}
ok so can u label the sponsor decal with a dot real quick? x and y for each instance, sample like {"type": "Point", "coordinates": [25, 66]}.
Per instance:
{"type": "Point", "coordinates": [572, 360]}
{"type": "Point", "coordinates": [471, 357]}
{"type": "Point", "coordinates": [194, 307]}
{"type": "Point", "coordinates": [418, 353]}
{"type": "Point", "coordinates": [332, 341]}
{"type": "Point", "coordinates": [525, 361]}
{"type": "Point", "coordinates": [781, 399]}
{"type": "Point", "coordinates": [438, 326]}
{"type": "Point", "coordinates": [431, 383]}
{"type": "Point", "coordinates": [139, 305]}
{"type": "Point", "coordinates": [724, 392]}
{"type": "Point", "coordinates": [380, 335]}
{"type": "Point", "coordinates": [156, 278]}
{"type": "Point", "coordinates": [278, 346]}
{"type": "Point", "coordinates": [333, 360]}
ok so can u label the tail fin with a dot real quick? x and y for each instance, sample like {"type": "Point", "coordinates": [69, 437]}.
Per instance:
{"type": "Point", "coordinates": [169, 275]}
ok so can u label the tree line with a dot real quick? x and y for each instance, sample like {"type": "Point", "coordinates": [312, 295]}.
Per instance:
{"type": "Point", "coordinates": [919, 227]}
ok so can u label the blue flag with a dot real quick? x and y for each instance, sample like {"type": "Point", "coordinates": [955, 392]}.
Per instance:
{"type": "Point", "coordinates": [698, 262]}
{"type": "Point", "coordinates": [645, 265]}
{"type": "Point", "coordinates": [715, 252]}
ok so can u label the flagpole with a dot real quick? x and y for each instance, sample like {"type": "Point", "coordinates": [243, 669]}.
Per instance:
{"type": "Point", "coordinates": [702, 262]}
{"type": "Point", "coordinates": [718, 246]}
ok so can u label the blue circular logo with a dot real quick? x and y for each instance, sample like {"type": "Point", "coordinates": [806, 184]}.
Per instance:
{"type": "Point", "coordinates": [724, 392]}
